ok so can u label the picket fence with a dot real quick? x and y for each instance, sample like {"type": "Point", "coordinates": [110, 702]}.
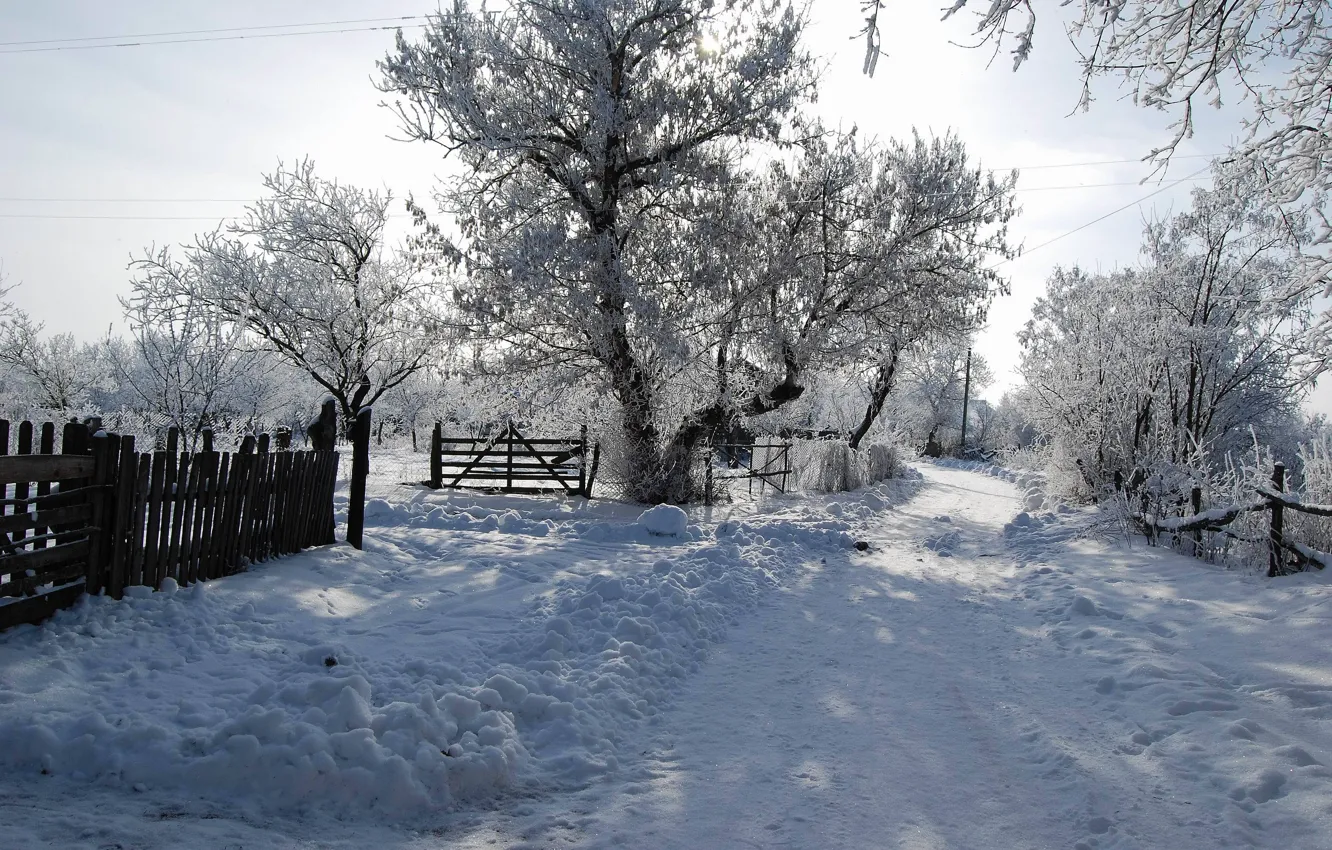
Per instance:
{"type": "Point", "coordinates": [101, 516]}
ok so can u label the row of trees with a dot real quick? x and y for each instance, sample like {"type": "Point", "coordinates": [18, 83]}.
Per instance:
{"type": "Point", "coordinates": [639, 205]}
{"type": "Point", "coordinates": [1188, 358]}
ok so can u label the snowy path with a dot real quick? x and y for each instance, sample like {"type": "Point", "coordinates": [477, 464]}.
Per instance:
{"type": "Point", "coordinates": [967, 683]}
{"type": "Point", "coordinates": [935, 694]}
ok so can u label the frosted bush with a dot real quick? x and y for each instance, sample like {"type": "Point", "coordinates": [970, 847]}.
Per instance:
{"type": "Point", "coordinates": [832, 466]}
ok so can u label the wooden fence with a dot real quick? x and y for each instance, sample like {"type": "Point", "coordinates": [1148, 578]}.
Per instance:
{"type": "Point", "coordinates": [509, 462]}
{"type": "Point", "coordinates": [1282, 552]}
{"type": "Point", "coordinates": [102, 516]}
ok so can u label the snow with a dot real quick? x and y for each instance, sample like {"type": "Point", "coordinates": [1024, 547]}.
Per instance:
{"type": "Point", "coordinates": [664, 520]}
{"type": "Point", "coordinates": [537, 672]}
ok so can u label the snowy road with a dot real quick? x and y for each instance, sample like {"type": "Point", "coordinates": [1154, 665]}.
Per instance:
{"type": "Point", "coordinates": [970, 682]}
{"type": "Point", "coordinates": [935, 694]}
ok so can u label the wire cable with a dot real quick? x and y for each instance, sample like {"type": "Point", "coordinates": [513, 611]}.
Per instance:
{"type": "Point", "coordinates": [175, 33]}
{"type": "Point", "coordinates": [253, 36]}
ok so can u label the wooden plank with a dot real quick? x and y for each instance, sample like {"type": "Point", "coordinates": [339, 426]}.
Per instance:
{"type": "Point", "coordinates": [330, 491]}
{"type": "Point", "coordinates": [23, 468]}
{"type": "Point", "coordinates": [126, 471]}
{"type": "Point", "coordinates": [291, 508]}
{"type": "Point", "coordinates": [562, 442]}
{"type": "Point", "coordinates": [309, 521]}
{"type": "Point", "coordinates": [80, 514]}
{"type": "Point", "coordinates": [163, 550]}
{"type": "Point", "coordinates": [500, 475]}
{"type": "Point", "coordinates": [237, 538]}
{"type": "Point", "coordinates": [182, 514]}
{"type": "Point", "coordinates": [259, 511]}
{"type": "Point", "coordinates": [58, 575]}
{"type": "Point", "coordinates": [21, 490]}
{"type": "Point", "coordinates": [278, 528]}
{"type": "Point", "coordinates": [263, 535]}
{"type": "Point", "coordinates": [105, 453]}
{"type": "Point", "coordinates": [207, 463]}
{"type": "Point", "coordinates": [222, 535]}
{"type": "Point", "coordinates": [247, 523]}
{"type": "Point", "coordinates": [179, 470]}
{"type": "Point", "coordinates": [520, 466]}
{"type": "Point", "coordinates": [208, 560]}
{"type": "Point", "coordinates": [153, 529]}
{"type": "Point", "coordinates": [46, 446]}
{"type": "Point", "coordinates": [301, 492]}
{"type": "Point", "coordinates": [38, 608]}
{"type": "Point", "coordinates": [5, 507]}
{"type": "Point", "coordinates": [137, 522]}
{"type": "Point", "coordinates": [43, 560]}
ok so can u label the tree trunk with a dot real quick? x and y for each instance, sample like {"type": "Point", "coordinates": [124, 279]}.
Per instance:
{"type": "Point", "coordinates": [883, 384]}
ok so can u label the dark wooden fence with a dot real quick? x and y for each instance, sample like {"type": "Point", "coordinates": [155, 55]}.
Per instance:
{"type": "Point", "coordinates": [1284, 555]}
{"type": "Point", "coordinates": [508, 462]}
{"type": "Point", "coordinates": [102, 516]}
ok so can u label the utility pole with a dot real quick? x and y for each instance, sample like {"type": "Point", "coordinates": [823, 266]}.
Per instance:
{"type": "Point", "coordinates": [966, 393]}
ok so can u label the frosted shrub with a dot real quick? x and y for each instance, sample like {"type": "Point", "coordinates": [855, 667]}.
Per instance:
{"type": "Point", "coordinates": [1315, 487]}
{"type": "Point", "coordinates": [831, 466]}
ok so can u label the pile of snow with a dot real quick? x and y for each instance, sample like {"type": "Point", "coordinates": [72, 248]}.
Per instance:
{"type": "Point", "coordinates": [664, 521]}
{"type": "Point", "coordinates": [378, 679]}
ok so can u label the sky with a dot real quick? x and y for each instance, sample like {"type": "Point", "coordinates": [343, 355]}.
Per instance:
{"type": "Point", "coordinates": [105, 152]}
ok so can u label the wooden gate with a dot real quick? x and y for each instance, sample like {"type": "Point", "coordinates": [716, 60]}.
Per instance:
{"type": "Point", "coordinates": [509, 462]}
{"type": "Point", "coordinates": [767, 463]}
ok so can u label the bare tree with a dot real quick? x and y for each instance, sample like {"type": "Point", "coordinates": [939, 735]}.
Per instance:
{"type": "Point", "coordinates": [188, 368]}
{"type": "Point", "coordinates": [58, 372]}
{"type": "Point", "coordinates": [304, 276]}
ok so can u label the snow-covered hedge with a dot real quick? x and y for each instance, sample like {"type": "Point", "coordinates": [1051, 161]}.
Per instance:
{"type": "Point", "coordinates": [832, 466]}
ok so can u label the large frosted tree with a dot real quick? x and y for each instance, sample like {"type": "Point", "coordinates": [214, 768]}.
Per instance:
{"type": "Point", "coordinates": [614, 226]}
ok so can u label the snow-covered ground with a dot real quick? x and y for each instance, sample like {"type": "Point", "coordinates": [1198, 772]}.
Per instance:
{"type": "Point", "coordinates": [520, 672]}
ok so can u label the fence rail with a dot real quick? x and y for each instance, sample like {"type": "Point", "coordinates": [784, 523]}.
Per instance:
{"type": "Point", "coordinates": [102, 516]}
{"type": "Point", "coordinates": [1273, 499]}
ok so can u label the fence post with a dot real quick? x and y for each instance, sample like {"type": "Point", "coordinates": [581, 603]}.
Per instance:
{"type": "Point", "coordinates": [207, 439]}
{"type": "Point", "coordinates": [707, 479]}
{"type": "Point", "coordinates": [436, 457]}
{"type": "Point", "coordinates": [1195, 501]}
{"type": "Point", "coordinates": [360, 469]}
{"type": "Point", "coordinates": [1274, 559]}
{"type": "Point", "coordinates": [105, 451]}
{"type": "Point", "coordinates": [582, 460]}
{"type": "Point", "coordinates": [592, 473]}
{"type": "Point", "coordinates": [283, 439]}
{"type": "Point", "coordinates": [508, 480]}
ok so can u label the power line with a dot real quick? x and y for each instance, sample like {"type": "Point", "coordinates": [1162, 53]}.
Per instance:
{"type": "Point", "coordinates": [253, 36]}
{"type": "Point", "coordinates": [1100, 219]}
{"type": "Point", "coordinates": [174, 33]}
{"type": "Point", "coordinates": [1068, 186]}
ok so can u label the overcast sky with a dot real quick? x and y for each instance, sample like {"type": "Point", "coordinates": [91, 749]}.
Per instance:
{"type": "Point", "coordinates": [106, 151]}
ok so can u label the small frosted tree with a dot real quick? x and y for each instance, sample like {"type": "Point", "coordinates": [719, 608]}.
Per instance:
{"type": "Point", "coordinates": [305, 276]}
{"type": "Point", "coordinates": [55, 373]}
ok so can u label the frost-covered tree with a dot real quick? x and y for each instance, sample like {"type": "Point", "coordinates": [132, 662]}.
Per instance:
{"type": "Point", "coordinates": [55, 372]}
{"type": "Point", "coordinates": [865, 251]}
{"type": "Point", "coordinates": [306, 276]}
{"type": "Point", "coordinates": [1179, 55]}
{"type": "Point", "coordinates": [189, 368]}
{"type": "Point", "coordinates": [1184, 358]}
{"type": "Point", "coordinates": [612, 232]}
{"type": "Point", "coordinates": [927, 403]}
